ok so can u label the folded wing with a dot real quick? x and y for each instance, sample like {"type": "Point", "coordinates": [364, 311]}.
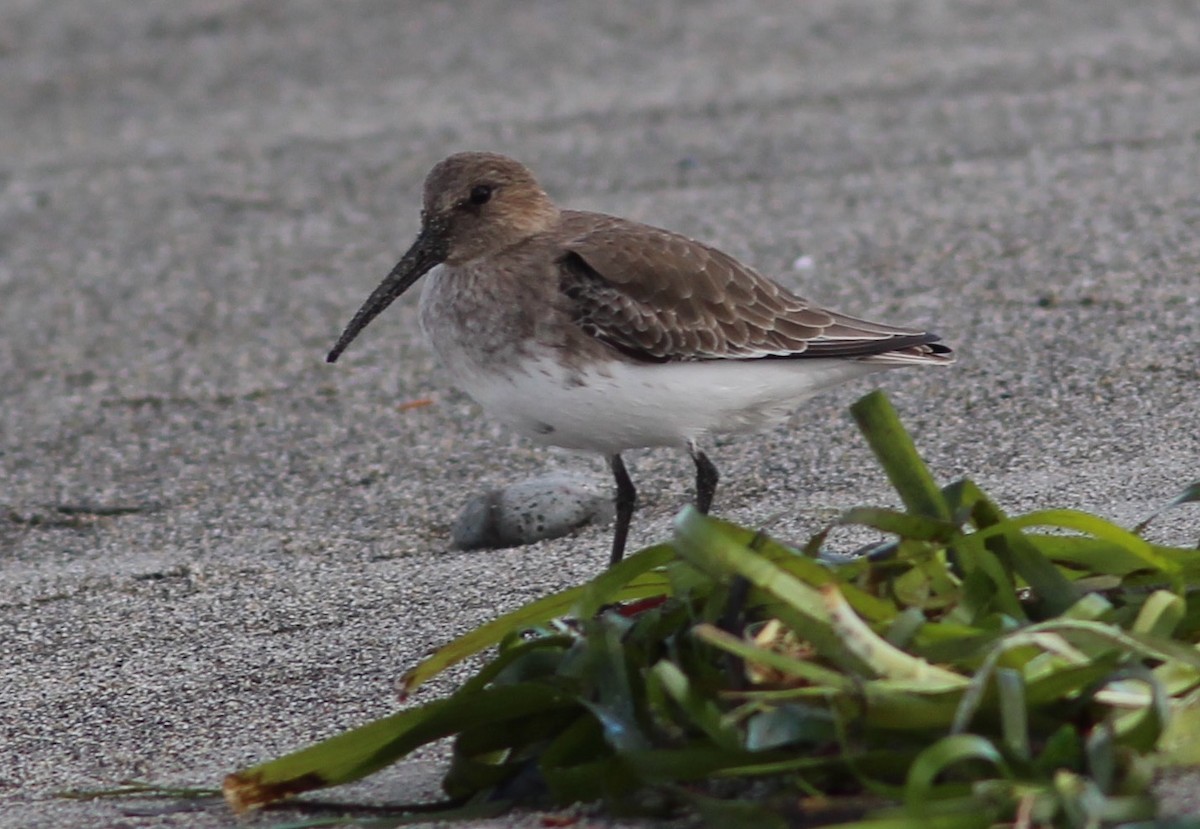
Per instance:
{"type": "Point", "coordinates": [659, 296]}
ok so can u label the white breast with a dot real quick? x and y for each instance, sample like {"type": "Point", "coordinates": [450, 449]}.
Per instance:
{"type": "Point", "coordinates": [617, 406]}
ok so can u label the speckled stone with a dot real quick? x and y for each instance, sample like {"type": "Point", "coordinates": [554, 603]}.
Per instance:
{"type": "Point", "coordinates": [548, 506]}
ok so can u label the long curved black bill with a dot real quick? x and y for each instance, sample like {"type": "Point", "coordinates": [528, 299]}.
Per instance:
{"type": "Point", "coordinates": [425, 253]}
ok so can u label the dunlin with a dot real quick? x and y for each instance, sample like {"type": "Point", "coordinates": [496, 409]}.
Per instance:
{"type": "Point", "coordinates": [591, 332]}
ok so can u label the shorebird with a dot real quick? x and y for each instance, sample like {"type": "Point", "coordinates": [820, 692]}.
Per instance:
{"type": "Point", "coordinates": [596, 333]}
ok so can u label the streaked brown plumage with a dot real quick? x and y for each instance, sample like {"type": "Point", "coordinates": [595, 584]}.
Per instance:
{"type": "Point", "coordinates": [661, 296]}
{"type": "Point", "coordinates": [590, 331]}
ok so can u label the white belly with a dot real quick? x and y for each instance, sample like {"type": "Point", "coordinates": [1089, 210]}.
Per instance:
{"type": "Point", "coordinates": [619, 406]}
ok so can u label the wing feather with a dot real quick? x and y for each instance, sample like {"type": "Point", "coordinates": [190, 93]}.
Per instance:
{"type": "Point", "coordinates": [659, 296]}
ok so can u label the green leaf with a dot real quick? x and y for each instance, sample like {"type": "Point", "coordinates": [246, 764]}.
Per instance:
{"type": "Point", "coordinates": [1102, 636]}
{"type": "Point", "coordinates": [1190, 495]}
{"type": "Point", "coordinates": [1141, 727]}
{"type": "Point", "coordinates": [1014, 714]}
{"type": "Point", "coordinates": [628, 579]}
{"type": "Point", "coordinates": [702, 711]}
{"type": "Point", "coordinates": [1068, 519]}
{"type": "Point", "coordinates": [703, 542]}
{"type": "Point", "coordinates": [346, 757]}
{"type": "Point", "coordinates": [938, 758]}
{"type": "Point", "coordinates": [361, 751]}
{"type": "Point", "coordinates": [798, 669]}
{"type": "Point", "coordinates": [633, 579]}
{"type": "Point", "coordinates": [1053, 590]}
{"type": "Point", "coordinates": [702, 761]}
{"type": "Point", "coordinates": [883, 658]}
{"type": "Point", "coordinates": [1160, 614]}
{"type": "Point", "coordinates": [810, 571]}
{"type": "Point", "coordinates": [1179, 744]}
{"type": "Point", "coordinates": [894, 449]}
{"type": "Point", "coordinates": [906, 525]}
{"type": "Point", "coordinates": [790, 724]}
{"type": "Point", "coordinates": [611, 698]}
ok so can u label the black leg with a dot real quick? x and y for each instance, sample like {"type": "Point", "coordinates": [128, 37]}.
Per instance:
{"type": "Point", "coordinates": [706, 478]}
{"type": "Point", "coordinates": [626, 497]}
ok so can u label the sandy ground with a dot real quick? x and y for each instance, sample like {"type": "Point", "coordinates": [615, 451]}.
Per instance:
{"type": "Point", "coordinates": [214, 547]}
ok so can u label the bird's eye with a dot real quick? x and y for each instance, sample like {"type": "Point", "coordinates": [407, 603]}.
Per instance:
{"type": "Point", "coordinates": [481, 193]}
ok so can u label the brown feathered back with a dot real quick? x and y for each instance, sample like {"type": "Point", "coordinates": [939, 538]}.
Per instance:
{"type": "Point", "coordinates": [660, 296]}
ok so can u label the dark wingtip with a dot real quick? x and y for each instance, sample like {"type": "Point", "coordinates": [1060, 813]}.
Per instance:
{"type": "Point", "coordinates": [332, 356]}
{"type": "Point", "coordinates": [936, 348]}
